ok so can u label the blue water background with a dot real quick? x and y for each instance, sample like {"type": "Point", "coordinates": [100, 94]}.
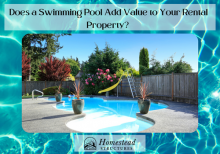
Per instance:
{"type": "Point", "coordinates": [13, 139]}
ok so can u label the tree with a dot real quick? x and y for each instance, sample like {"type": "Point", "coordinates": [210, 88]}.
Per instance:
{"type": "Point", "coordinates": [168, 67]}
{"type": "Point", "coordinates": [156, 67]}
{"type": "Point", "coordinates": [182, 66]}
{"type": "Point", "coordinates": [39, 46]}
{"type": "Point", "coordinates": [74, 65]}
{"type": "Point", "coordinates": [54, 70]}
{"type": "Point", "coordinates": [77, 60]}
{"type": "Point", "coordinates": [26, 68]}
{"type": "Point", "coordinates": [134, 71]}
{"type": "Point", "coordinates": [143, 60]}
{"type": "Point", "coordinates": [83, 66]}
{"type": "Point", "coordinates": [107, 58]}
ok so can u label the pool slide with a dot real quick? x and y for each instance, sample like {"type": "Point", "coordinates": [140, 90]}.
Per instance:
{"type": "Point", "coordinates": [112, 87]}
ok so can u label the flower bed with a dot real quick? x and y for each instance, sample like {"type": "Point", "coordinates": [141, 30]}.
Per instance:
{"type": "Point", "coordinates": [99, 81]}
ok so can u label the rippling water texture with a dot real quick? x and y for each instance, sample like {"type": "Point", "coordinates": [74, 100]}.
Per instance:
{"type": "Point", "coordinates": [13, 139]}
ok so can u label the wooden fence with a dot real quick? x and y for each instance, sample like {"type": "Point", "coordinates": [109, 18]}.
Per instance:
{"type": "Point", "coordinates": [182, 87]}
{"type": "Point", "coordinates": [28, 86]}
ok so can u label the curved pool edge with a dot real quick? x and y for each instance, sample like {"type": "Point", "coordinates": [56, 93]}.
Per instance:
{"type": "Point", "coordinates": [161, 102]}
{"type": "Point", "coordinates": [139, 116]}
{"type": "Point", "coordinates": [161, 118]}
{"type": "Point", "coordinates": [178, 117]}
{"type": "Point", "coordinates": [76, 116]}
{"type": "Point", "coordinates": [145, 119]}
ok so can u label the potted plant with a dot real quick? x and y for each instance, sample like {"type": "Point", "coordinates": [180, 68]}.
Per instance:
{"type": "Point", "coordinates": [143, 101]}
{"type": "Point", "coordinates": [58, 94]}
{"type": "Point", "coordinates": [77, 104]}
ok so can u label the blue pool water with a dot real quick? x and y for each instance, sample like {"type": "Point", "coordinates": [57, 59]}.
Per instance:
{"type": "Point", "coordinates": [108, 115]}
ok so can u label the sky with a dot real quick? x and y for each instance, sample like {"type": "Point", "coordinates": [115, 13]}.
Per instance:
{"type": "Point", "coordinates": [129, 45]}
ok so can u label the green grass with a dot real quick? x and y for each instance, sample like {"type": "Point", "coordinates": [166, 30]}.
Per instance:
{"type": "Point", "coordinates": [23, 97]}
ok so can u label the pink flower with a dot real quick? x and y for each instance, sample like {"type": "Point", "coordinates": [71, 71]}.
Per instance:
{"type": "Point", "coordinates": [87, 83]}
{"type": "Point", "coordinates": [105, 73]}
{"type": "Point", "coordinates": [98, 69]}
{"type": "Point", "coordinates": [107, 78]}
{"type": "Point", "coordinates": [107, 70]}
{"type": "Point", "coordinates": [100, 73]}
{"type": "Point", "coordinates": [110, 77]}
{"type": "Point", "coordinates": [99, 77]}
{"type": "Point", "coordinates": [93, 84]}
{"type": "Point", "coordinates": [92, 75]}
{"type": "Point", "coordinates": [86, 80]}
{"type": "Point", "coordinates": [114, 76]}
{"type": "Point", "coordinates": [102, 81]}
{"type": "Point", "coordinates": [97, 73]}
{"type": "Point", "coordinates": [90, 79]}
{"type": "Point", "coordinates": [111, 80]}
{"type": "Point", "coordinates": [118, 78]}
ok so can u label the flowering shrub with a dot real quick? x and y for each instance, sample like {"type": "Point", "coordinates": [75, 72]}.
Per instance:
{"type": "Point", "coordinates": [99, 81]}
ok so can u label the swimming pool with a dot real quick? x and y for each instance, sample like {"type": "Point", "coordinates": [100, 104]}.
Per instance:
{"type": "Point", "coordinates": [108, 115]}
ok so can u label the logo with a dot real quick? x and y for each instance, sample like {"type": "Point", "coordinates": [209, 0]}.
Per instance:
{"type": "Point", "coordinates": [103, 143]}
{"type": "Point", "coordinates": [90, 143]}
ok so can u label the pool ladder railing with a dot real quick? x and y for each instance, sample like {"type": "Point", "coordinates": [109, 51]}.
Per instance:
{"type": "Point", "coordinates": [37, 91]}
{"type": "Point", "coordinates": [131, 82]}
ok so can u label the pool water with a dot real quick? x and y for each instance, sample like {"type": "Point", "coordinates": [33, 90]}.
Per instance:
{"type": "Point", "coordinates": [108, 115]}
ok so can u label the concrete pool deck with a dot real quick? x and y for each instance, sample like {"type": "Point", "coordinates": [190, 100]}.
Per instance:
{"type": "Point", "coordinates": [41, 116]}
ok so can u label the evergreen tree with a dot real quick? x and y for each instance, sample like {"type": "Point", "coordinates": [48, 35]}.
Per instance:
{"type": "Point", "coordinates": [143, 60]}
{"type": "Point", "coordinates": [107, 58]}
{"type": "Point", "coordinates": [77, 60]}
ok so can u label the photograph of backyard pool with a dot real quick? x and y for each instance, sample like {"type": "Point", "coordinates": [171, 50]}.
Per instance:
{"type": "Point", "coordinates": [107, 114]}
{"type": "Point", "coordinates": [147, 84]}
